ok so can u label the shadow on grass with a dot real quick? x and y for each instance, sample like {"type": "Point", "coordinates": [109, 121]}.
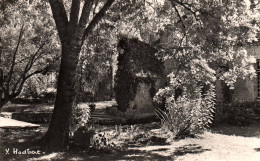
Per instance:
{"type": "Point", "coordinates": [189, 149]}
{"type": "Point", "coordinates": [122, 155]}
{"type": "Point", "coordinates": [19, 140]}
{"type": "Point", "coordinates": [161, 149]}
{"type": "Point", "coordinates": [252, 130]}
{"type": "Point", "coordinates": [30, 141]}
{"type": "Point", "coordinates": [16, 151]}
{"type": "Point", "coordinates": [127, 154]}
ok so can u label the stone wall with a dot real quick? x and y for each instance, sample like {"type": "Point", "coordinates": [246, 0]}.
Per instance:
{"type": "Point", "coordinates": [245, 90]}
{"type": "Point", "coordinates": [143, 105]}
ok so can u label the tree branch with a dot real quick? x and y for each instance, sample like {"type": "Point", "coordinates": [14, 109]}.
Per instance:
{"type": "Point", "coordinates": [14, 57]}
{"type": "Point", "coordinates": [27, 68]}
{"type": "Point", "coordinates": [176, 10]}
{"type": "Point", "coordinates": [30, 62]}
{"type": "Point", "coordinates": [23, 78]}
{"type": "Point", "coordinates": [60, 17]}
{"type": "Point", "coordinates": [97, 18]}
{"type": "Point", "coordinates": [74, 12]}
{"type": "Point", "coordinates": [186, 7]}
{"type": "Point", "coordinates": [19, 90]}
{"type": "Point", "coordinates": [85, 14]}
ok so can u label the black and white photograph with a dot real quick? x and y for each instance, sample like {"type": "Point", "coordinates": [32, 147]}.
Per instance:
{"type": "Point", "coordinates": [130, 80]}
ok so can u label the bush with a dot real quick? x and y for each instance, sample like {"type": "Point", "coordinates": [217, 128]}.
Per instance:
{"type": "Point", "coordinates": [79, 119]}
{"type": "Point", "coordinates": [237, 113]}
{"type": "Point", "coordinates": [189, 114]}
{"type": "Point", "coordinates": [49, 93]}
{"type": "Point", "coordinates": [81, 139]}
{"type": "Point", "coordinates": [101, 142]}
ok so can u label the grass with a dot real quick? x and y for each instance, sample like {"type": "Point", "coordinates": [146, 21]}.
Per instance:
{"type": "Point", "coordinates": [147, 142]}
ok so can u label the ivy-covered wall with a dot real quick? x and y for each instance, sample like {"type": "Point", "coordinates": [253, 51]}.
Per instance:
{"type": "Point", "coordinates": [139, 76]}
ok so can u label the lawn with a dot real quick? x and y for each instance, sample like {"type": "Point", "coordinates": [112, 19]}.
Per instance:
{"type": "Point", "coordinates": [146, 142]}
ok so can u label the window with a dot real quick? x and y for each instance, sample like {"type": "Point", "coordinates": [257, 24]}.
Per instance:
{"type": "Point", "coordinates": [258, 78]}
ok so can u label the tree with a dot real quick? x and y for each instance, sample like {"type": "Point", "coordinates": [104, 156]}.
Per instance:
{"type": "Point", "coordinates": [26, 46]}
{"type": "Point", "coordinates": [208, 36]}
{"type": "Point", "coordinates": [72, 33]}
{"type": "Point", "coordinates": [206, 42]}
{"type": "Point", "coordinates": [200, 32]}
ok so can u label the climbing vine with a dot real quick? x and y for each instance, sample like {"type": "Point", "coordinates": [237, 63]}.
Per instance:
{"type": "Point", "coordinates": [136, 63]}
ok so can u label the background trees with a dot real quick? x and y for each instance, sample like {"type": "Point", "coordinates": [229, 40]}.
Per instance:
{"type": "Point", "coordinates": [205, 42]}
{"type": "Point", "coordinates": [28, 45]}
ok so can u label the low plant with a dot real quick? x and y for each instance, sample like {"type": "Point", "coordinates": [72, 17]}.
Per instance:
{"type": "Point", "coordinates": [101, 142]}
{"type": "Point", "coordinates": [189, 114]}
{"type": "Point", "coordinates": [118, 130]}
{"type": "Point", "coordinates": [131, 130]}
{"type": "Point", "coordinates": [80, 117]}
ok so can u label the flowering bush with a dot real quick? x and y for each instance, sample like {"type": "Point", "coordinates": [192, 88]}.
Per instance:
{"type": "Point", "coordinates": [189, 114]}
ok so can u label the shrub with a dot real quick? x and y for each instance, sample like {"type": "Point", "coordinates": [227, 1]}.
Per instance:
{"type": "Point", "coordinates": [101, 142]}
{"type": "Point", "coordinates": [79, 119]}
{"type": "Point", "coordinates": [237, 113]}
{"type": "Point", "coordinates": [189, 114]}
{"type": "Point", "coordinates": [81, 139]}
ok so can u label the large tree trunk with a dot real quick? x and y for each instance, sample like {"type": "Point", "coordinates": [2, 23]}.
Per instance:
{"type": "Point", "coordinates": [72, 34]}
{"type": "Point", "coordinates": [57, 136]}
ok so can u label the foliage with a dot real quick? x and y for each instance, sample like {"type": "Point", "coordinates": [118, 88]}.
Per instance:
{"type": "Point", "coordinates": [94, 67]}
{"type": "Point", "coordinates": [81, 139]}
{"type": "Point", "coordinates": [79, 119]}
{"type": "Point", "coordinates": [49, 94]}
{"type": "Point", "coordinates": [136, 64]}
{"type": "Point", "coordinates": [190, 113]}
{"type": "Point", "coordinates": [101, 143]}
{"type": "Point", "coordinates": [28, 45]}
{"type": "Point", "coordinates": [201, 39]}
{"type": "Point", "coordinates": [39, 86]}
{"type": "Point", "coordinates": [237, 113]}
{"type": "Point", "coordinates": [131, 130]}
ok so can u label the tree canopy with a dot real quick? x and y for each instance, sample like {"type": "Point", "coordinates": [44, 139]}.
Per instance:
{"type": "Point", "coordinates": [28, 45]}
